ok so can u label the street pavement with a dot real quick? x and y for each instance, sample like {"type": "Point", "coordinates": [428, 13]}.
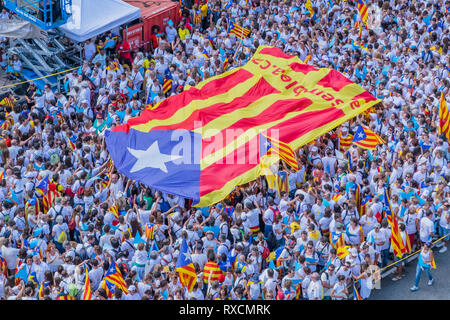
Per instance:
{"type": "Point", "coordinates": [399, 290]}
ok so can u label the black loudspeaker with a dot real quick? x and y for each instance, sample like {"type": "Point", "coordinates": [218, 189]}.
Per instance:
{"type": "Point", "coordinates": [21, 89]}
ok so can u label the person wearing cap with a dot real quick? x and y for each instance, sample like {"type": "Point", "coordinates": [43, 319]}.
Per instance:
{"type": "Point", "coordinates": [378, 239]}
{"type": "Point", "coordinates": [132, 294]}
{"type": "Point", "coordinates": [253, 289]}
{"type": "Point", "coordinates": [354, 259]}
{"type": "Point", "coordinates": [209, 241]}
{"type": "Point", "coordinates": [314, 158]}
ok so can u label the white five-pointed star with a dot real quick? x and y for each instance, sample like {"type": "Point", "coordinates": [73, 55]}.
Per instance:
{"type": "Point", "coordinates": [151, 158]}
{"type": "Point", "coordinates": [187, 256]}
{"type": "Point", "coordinates": [361, 135]}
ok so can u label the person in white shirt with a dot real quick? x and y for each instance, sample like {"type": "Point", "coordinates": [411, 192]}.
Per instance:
{"type": "Point", "coordinates": [270, 284]}
{"type": "Point", "coordinates": [39, 267]}
{"type": "Point", "coordinates": [339, 291]}
{"type": "Point", "coordinates": [426, 231]}
{"type": "Point", "coordinates": [329, 279]}
{"type": "Point", "coordinates": [315, 289]}
{"type": "Point", "coordinates": [377, 238]}
{"type": "Point", "coordinates": [444, 225]}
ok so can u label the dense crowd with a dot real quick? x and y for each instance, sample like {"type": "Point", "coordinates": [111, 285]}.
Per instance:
{"type": "Point", "coordinates": [267, 245]}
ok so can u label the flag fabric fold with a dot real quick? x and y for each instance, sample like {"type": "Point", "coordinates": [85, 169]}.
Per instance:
{"type": "Point", "coordinates": [398, 246]}
{"type": "Point", "coordinates": [444, 118]}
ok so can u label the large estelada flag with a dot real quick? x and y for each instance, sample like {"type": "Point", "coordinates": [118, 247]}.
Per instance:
{"type": "Point", "coordinates": [202, 143]}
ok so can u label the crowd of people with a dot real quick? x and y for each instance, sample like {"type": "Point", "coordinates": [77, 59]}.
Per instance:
{"type": "Point", "coordinates": [268, 245]}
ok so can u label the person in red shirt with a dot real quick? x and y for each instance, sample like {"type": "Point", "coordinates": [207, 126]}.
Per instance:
{"type": "Point", "coordinates": [154, 39]}
{"type": "Point", "coordinates": [124, 50]}
{"type": "Point", "coordinates": [5, 138]}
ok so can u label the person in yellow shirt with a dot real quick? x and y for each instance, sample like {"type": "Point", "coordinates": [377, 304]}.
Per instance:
{"type": "Point", "coordinates": [183, 32]}
{"type": "Point", "coordinates": [204, 10]}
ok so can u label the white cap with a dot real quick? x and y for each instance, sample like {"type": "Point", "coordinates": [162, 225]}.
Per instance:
{"type": "Point", "coordinates": [314, 149]}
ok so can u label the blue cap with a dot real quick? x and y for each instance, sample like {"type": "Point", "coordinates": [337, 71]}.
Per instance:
{"type": "Point", "coordinates": [37, 232]}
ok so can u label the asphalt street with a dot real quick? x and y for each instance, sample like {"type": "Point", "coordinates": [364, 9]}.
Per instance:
{"type": "Point", "coordinates": [399, 290]}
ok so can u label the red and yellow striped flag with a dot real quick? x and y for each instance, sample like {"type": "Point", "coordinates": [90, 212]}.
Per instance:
{"type": "Point", "coordinates": [7, 101]}
{"type": "Point", "coordinates": [363, 11]}
{"type": "Point", "coordinates": [342, 252]}
{"type": "Point", "coordinates": [238, 31]}
{"type": "Point", "coordinates": [345, 142]}
{"type": "Point", "coordinates": [114, 276]}
{"type": "Point", "coordinates": [167, 85]}
{"type": "Point", "coordinates": [309, 7]}
{"type": "Point", "coordinates": [87, 295]}
{"type": "Point", "coordinates": [223, 117]}
{"type": "Point", "coordinates": [213, 269]}
{"type": "Point", "coordinates": [115, 211]}
{"type": "Point", "coordinates": [444, 118]}
{"type": "Point", "coordinates": [398, 247]}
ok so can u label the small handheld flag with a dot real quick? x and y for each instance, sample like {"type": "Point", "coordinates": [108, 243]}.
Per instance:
{"type": "Point", "coordinates": [366, 139]}
{"type": "Point", "coordinates": [238, 31]}
{"type": "Point", "coordinates": [185, 267]}
{"type": "Point", "coordinates": [114, 276]}
{"type": "Point", "coordinates": [271, 146]}
{"type": "Point", "coordinates": [363, 11]}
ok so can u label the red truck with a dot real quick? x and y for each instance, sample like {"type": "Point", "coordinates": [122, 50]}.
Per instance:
{"type": "Point", "coordinates": [152, 13]}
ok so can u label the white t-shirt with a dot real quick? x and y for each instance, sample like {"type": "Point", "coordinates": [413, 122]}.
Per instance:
{"type": "Point", "coordinates": [443, 220]}
{"type": "Point", "coordinates": [426, 227]}
{"type": "Point", "coordinates": [58, 229]}
{"type": "Point", "coordinates": [315, 290]}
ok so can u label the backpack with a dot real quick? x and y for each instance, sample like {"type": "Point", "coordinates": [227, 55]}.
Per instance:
{"type": "Point", "coordinates": [54, 158]}
{"type": "Point", "coordinates": [265, 253]}
{"type": "Point", "coordinates": [69, 192]}
{"type": "Point", "coordinates": [82, 253]}
{"type": "Point", "coordinates": [58, 213]}
{"type": "Point", "coordinates": [73, 290]}
{"type": "Point", "coordinates": [364, 174]}
{"type": "Point", "coordinates": [81, 188]}
{"type": "Point", "coordinates": [276, 212]}
{"type": "Point", "coordinates": [245, 249]}
{"type": "Point", "coordinates": [229, 235]}
{"type": "Point", "coordinates": [71, 223]}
